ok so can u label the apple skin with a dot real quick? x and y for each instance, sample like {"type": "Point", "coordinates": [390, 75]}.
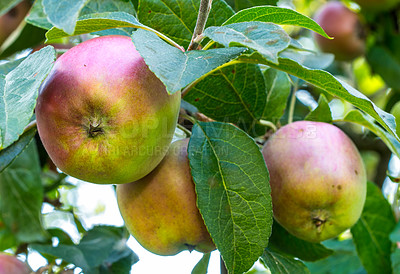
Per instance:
{"type": "Point", "coordinates": [160, 209]}
{"type": "Point", "coordinates": [317, 178]}
{"type": "Point", "coordinates": [102, 115]}
{"type": "Point", "coordinates": [11, 20]}
{"type": "Point", "coordinates": [10, 264]}
{"type": "Point", "coordinates": [345, 27]}
{"type": "Point", "coordinates": [377, 5]}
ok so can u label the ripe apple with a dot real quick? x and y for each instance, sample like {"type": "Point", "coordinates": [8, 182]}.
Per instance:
{"type": "Point", "coordinates": [345, 27]}
{"type": "Point", "coordinates": [318, 180]}
{"type": "Point", "coordinates": [10, 264]}
{"type": "Point", "coordinates": [102, 115]}
{"type": "Point", "coordinates": [160, 209]}
{"type": "Point", "coordinates": [11, 20]}
{"type": "Point", "coordinates": [377, 5]}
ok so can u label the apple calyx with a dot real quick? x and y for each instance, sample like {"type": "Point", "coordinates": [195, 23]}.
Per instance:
{"type": "Point", "coordinates": [190, 247]}
{"type": "Point", "coordinates": [95, 129]}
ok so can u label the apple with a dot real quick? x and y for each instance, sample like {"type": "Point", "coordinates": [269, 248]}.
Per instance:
{"type": "Point", "coordinates": [377, 5]}
{"type": "Point", "coordinates": [11, 20]}
{"type": "Point", "coordinates": [345, 27]}
{"type": "Point", "coordinates": [160, 209]}
{"type": "Point", "coordinates": [102, 115]}
{"type": "Point", "coordinates": [10, 264]}
{"type": "Point", "coordinates": [318, 180]}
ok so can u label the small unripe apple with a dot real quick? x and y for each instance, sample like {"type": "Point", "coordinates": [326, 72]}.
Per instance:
{"type": "Point", "coordinates": [102, 115]}
{"type": "Point", "coordinates": [11, 20]}
{"type": "Point", "coordinates": [317, 178]}
{"type": "Point", "coordinates": [11, 265]}
{"type": "Point", "coordinates": [345, 27]}
{"type": "Point", "coordinates": [160, 209]}
{"type": "Point", "coordinates": [377, 5]}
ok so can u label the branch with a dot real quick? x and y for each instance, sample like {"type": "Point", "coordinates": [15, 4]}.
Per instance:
{"type": "Point", "coordinates": [204, 11]}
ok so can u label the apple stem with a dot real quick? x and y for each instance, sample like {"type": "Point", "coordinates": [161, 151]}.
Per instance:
{"type": "Point", "coordinates": [204, 11]}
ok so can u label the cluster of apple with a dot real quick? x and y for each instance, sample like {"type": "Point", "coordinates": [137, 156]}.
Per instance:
{"type": "Point", "coordinates": [105, 118]}
{"type": "Point", "coordinates": [345, 26]}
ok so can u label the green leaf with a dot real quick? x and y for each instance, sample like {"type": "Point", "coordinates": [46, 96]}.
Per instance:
{"type": "Point", "coordinates": [233, 193]}
{"type": "Point", "coordinates": [278, 89]}
{"type": "Point", "coordinates": [177, 18]}
{"type": "Point", "coordinates": [395, 258]}
{"type": "Point", "coordinates": [30, 36]}
{"type": "Point", "coordinates": [344, 260]}
{"type": "Point", "coordinates": [243, 4]}
{"type": "Point", "coordinates": [266, 38]}
{"type": "Point", "coordinates": [18, 93]}
{"type": "Point", "coordinates": [119, 261]}
{"type": "Point", "coordinates": [97, 22]}
{"type": "Point", "coordinates": [175, 68]}
{"type": "Point", "coordinates": [6, 5]}
{"type": "Point", "coordinates": [99, 6]}
{"type": "Point", "coordinates": [202, 265]}
{"type": "Point", "coordinates": [38, 18]}
{"type": "Point", "coordinates": [8, 154]}
{"type": "Point", "coordinates": [385, 64]}
{"type": "Point", "coordinates": [276, 15]}
{"type": "Point", "coordinates": [10, 65]}
{"type": "Point", "coordinates": [284, 242]}
{"type": "Point", "coordinates": [355, 116]}
{"type": "Point", "coordinates": [322, 113]}
{"type": "Point", "coordinates": [282, 264]}
{"type": "Point", "coordinates": [330, 84]}
{"type": "Point", "coordinates": [234, 94]}
{"type": "Point", "coordinates": [100, 249]}
{"type": "Point", "coordinates": [63, 13]}
{"type": "Point", "coordinates": [21, 197]}
{"type": "Point", "coordinates": [7, 238]}
{"type": "Point", "coordinates": [371, 232]}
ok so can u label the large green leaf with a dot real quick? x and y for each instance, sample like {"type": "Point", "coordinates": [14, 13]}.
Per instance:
{"type": "Point", "coordinates": [21, 197]}
{"type": "Point", "coordinates": [243, 4]}
{"type": "Point", "coordinates": [175, 68]}
{"type": "Point", "coordinates": [385, 64]}
{"type": "Point", "coordinates": [278, 89]}
{"type": "Point", "coordinates": [266, 38]}
{"type": "Point", "coordinates": [63, 13]}
{"type": "Point", "coordinates": [330, 84]}
{"type": "Point", "coordinates": [30, 36]}
{"type": "Point", "coordinates": [277, 15]}
{"type": "Point", "coordinates": [177, 18]}
{"type": "Point", "coordinates": [234, 94]}
{"type": "Point", "coordinates": [18, 93]}
{"type": "Point", "coordinates": [202, 266]}
{"type": "Point", "coordinates": [283, 264]}
{"type": "Point", "coordinates": [233, 193]}
{"type": "Point", "coordinates": [322, 113]}
{"type": "Point", "coordinates": [38, 17]}
{"type": "Point", "coordinates": [371, 232]}
{"type": "Point", "coordinates": [8, 154]}
{"type": "Point", "coordinates": [357, 117]}
{"type": "Point", "coordinates": [102, 248]}
{"type": "Point", "coordinates": [344, 260]}
{"type": "Point", "coordinates": [283, 241]}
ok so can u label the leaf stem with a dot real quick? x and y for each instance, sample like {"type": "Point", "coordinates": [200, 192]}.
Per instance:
{"type": "Point", "coordinates": [30, 126]}
{"type": "Point", "coordinates": [268, 124]}
{"type": "Point", "coordinates": [187, 132]}
{"type": "Point", "coordinates": [204, 11]}
{"type": "Point", "coordinates": [292, 104]}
